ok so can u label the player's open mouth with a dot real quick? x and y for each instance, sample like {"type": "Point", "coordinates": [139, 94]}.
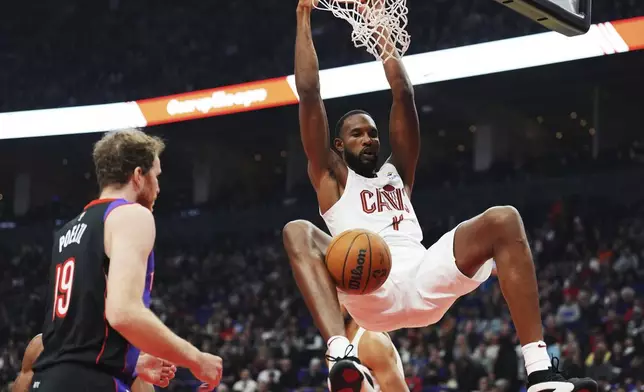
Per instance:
{"type": "Point", "coordinates": [369, 154]}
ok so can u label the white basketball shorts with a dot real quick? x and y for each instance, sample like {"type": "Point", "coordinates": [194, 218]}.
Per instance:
{"type": "Point", "coordinates": [422, 286]}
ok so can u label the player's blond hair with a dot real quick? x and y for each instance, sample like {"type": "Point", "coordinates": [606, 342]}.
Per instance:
{"type": "Point", "coordinates": [119, 153]}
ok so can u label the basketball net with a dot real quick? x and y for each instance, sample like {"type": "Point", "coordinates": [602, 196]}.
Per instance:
{"type": "Point", "coordinates": [378, 25]}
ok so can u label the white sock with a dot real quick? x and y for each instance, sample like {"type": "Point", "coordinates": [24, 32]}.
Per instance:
{"type": "Point", "coordinates": [337, 346]}
{"type": "Point", "coordinates": [536, 357]}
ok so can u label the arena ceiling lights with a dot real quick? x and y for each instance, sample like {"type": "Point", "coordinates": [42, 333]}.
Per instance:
{"type": "Point", "coordinates": [491, 57]}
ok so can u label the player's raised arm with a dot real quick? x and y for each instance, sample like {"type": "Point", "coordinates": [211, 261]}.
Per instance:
{"type": "Point", "coordinates": [33, 350]}
{"type": "Point", "coordinates": [404, 130]}
{"type": "Point", "coordinates": [377, 353]}
{"type": "Point", "coordinates": [314, 127]}
{"type": "Point", "coordinates": [129, 239]}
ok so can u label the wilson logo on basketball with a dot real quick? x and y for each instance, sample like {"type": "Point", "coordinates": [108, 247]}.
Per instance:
{"type": "Point", "coordinates": [356, 273]}
{"type": "Point", "coordinates": [358, 261]}
{"type": "Point", "coordinates": [388, 198]}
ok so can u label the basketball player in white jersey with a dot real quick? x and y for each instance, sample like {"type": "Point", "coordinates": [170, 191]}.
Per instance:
{"type": "Point", "coordinates": [353, 193]}
{"type": "Point", "coordinates": [155, 371]}
{"type": "Point", "coordinates": [379, 359]}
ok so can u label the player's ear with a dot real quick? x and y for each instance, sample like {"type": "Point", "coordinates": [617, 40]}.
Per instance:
{"type": "Point", "coordinates": [338, 144]}
{"type": "Point", "coordinates": [137, 177]}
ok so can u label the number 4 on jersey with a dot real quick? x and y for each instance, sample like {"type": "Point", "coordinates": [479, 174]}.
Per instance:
{"type": "Point", "coordinates": [396, 222]}
{"type": "Point", "coordinates": [63, 290]}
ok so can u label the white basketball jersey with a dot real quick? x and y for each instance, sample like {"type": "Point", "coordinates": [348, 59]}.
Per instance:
{"type": "Point", "coordinates": [381, 205]}
{"type": "Point", "coordinates": [356, 352]}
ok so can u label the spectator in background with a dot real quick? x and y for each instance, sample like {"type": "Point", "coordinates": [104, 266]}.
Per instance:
{"type": "Point", "coordinates": [568, 313]}
{"type": "Point", "coordinates": [470, 332]}
{"type": "Point", "coordinates": [627, 261]}
{"type": "Point", "coordinates": [553, 333]}
{"type": "Point", "coordinates": [436, 372]}
{"type": "Point", "coordinates": [288, 376]}
{"type": "Point", "coordinates": [270, 375]}
{"type": "Point", "coordinates": [618, 362]}
{"type": "Point", "coordinates": [404, 350]}
{"type": "Point", "coordinates": [414, 382]}
{"type": "Point", "coordinates": [572, 363]}
{"type": "Point", "coordinates": [245, 383]}
{"type": "Point", "coordinates": [589, 309]}
{"type": "Point", "coordinates": [313, 343]}
{"type": "Point", "coordinates": [419, 357]}
{"type": "Point", "coordinates": [468, 373]}
{"type": "Point", "coordinates": [461, 348]}
{"type": "Point", "coordinates": [635, 324]}
{"type": "Point", "coordinates": [483, 385]}
{"type": "Point", "coordinates": [481, 356]}
{"type": "Point", "coordinates": [598, 362]}
{"type": "Point", "coordinates": [506, 366]}
{"type": "Point", "coordinates": [264, 387]}
{"type": "Point", "coordinates": [315, 377]}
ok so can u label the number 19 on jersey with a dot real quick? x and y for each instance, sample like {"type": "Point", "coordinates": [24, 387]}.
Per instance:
{"type": "Point", "coordinates": [63, 290]}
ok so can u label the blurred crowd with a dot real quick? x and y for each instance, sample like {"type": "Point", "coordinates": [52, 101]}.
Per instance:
{"type": "Point", "coordinates": [71, 52]}
{"type": "Point", "coordinates": [235, 296]}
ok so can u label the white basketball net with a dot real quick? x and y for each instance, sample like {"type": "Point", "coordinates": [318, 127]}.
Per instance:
{"type": "Point", "coordinates": [378, 25]}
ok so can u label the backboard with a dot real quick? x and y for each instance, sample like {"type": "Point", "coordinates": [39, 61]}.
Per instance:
{"type": "Point", "coordinates": [568, 17]}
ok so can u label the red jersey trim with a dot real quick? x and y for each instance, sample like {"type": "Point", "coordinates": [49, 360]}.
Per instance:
{"type": "Point", "coordinates": [97, 202]}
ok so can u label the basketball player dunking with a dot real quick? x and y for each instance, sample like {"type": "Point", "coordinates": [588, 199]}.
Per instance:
{"type": "Point", "coordinates": [382, 366]}
{"type": "Point", "coordinates": [101, 275]}
{"type": "Point", "coordinates": [353, 193]}
{"type": "Point", "coordinates": [153, 370]}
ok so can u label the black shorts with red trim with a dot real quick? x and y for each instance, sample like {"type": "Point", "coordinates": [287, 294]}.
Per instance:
{"type": "Point", "coordinates": [73, 377]}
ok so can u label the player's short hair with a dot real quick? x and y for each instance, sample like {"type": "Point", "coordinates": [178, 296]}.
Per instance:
{"type": "Point", "coordinates": [340, 123]}
{"type": "Point", "coordinates": [119, 153]}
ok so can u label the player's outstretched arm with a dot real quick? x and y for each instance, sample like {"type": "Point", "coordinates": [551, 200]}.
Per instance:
{"type": "Point", "coordinates": [314, 127]}
{"type": "Point", "coordinates": [33, 350]}
{"type": "Point", "coordinates": [129, 239]}
{"type": "Point", "coordinates": [404, 129]}
{"type": "Point", "coordinates": [377, 353]}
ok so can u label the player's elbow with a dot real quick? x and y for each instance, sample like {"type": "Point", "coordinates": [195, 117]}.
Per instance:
{"type": "Point", "coordinates": [402, 90]}
{"type": "Point", "coordinates": [401, 87]}
{"type": "Point", "coordinates": [120, 316]}
{"type": "Point", "coordinates": [117, 318]}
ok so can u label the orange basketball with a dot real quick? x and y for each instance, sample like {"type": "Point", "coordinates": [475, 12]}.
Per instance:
{"type": "Point", "coordinates": [359, 261]}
